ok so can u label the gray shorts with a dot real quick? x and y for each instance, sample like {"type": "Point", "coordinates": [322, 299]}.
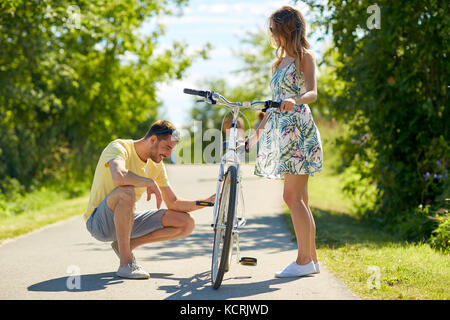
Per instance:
{"type": "Point", "coordinates": [101, 223]}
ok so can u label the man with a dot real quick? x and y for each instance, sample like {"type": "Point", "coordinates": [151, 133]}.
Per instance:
{"type": "Point", "coordinates": [125, 170]}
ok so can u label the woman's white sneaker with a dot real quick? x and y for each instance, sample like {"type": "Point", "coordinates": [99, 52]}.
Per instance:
{"type": "Point", "coordinates": [317, 267]}
{"type": "Point", "coordinates": [295, 270]}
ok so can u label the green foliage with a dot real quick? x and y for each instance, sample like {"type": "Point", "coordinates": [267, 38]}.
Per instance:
{"type": "Point", "coordinates": [440, 239]}
{"type": "Point", "coordinates": [256, 55]}
{"type": "Point", "coordinates": [329, 86]}
{"type": "Point", "coordinates": [68, 87]}
{"type": "Point", "coordinates": [395, 100]}
{"type": "Point", "coordinates": [347, 244]}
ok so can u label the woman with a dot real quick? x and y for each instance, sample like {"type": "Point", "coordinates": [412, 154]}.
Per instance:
{"type": "Point", "coordinates": [289, 141]}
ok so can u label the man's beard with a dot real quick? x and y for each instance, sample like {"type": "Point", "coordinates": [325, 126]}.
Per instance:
{"type": "Point", "coordinates": [153, 154]}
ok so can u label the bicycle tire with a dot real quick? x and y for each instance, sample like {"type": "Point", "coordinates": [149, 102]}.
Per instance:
{"type": "Point", "coordinates": [222, 235]}
{"type": "Point", "coordinates": [230, 253]}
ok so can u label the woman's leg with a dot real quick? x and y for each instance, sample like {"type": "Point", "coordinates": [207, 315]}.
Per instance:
{"type": "Point", "coordinates": [294, 187]}
{"type": "Point", "coordinates": [313, 225]}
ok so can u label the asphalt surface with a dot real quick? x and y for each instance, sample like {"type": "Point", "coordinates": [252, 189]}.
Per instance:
{"type": "Point", "coordinates": [62, 261]}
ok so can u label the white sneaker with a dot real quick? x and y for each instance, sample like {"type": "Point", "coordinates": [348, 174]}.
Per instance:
{"type": "Point", "coordinates": [317, 267]}
{"type": "Point", "coordinates": [295, 270]}
{"type": "Point", "coordinates": [132, 271]}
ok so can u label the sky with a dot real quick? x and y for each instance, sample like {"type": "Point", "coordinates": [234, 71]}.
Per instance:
{"type": "Point", "coordinates": [222, 24]}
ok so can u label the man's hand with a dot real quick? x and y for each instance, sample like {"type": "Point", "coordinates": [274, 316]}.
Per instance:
{"type": "Point", "coordinates": [211, 198]}
{"type": "Point", "coordinates": [208, 202]}
{"type": "Point", "coordinates": [153, 188]}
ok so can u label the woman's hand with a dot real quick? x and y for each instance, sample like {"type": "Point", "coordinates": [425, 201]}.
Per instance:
{"type": "Point", "coordinates": [287, 104]}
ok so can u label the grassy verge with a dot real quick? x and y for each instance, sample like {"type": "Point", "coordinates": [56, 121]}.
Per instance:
{"type": "Point", "coordinates": [37, 210]}
{"type": "Point", "coordinates": [372, 263]}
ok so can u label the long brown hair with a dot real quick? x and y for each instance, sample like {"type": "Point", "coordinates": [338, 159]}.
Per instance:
{"type": "Point", "coordinates": [289, 26]}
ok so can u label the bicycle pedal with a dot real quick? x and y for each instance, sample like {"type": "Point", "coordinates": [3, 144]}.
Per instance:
{"type": "Point", "coordinates": [248, 261]}
{"type": "Point", "coordinates": [241, 222]}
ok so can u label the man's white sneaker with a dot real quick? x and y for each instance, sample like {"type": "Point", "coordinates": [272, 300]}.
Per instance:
{"type": "Point", "coordinates": [317, 267]}
{"type": "Point", "coordinates": [295, 270]}
{"type": "Point", "coordinates": [132, 271]}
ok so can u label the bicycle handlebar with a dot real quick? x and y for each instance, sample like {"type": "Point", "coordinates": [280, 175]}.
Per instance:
{"type": "Point", "coordinates": [196, 92]}
{"type": "Point", "coordinates": [214, 97]}
{"type": "Point", "coordinates": [271, 104]}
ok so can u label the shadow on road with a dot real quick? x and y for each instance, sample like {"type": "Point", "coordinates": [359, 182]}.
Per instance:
{"type": "Point", "coordinates": [89, 282]}
{"type": "Point", "coordinates": [199, 287]}
{"type": "Point", "coordinates": [260, 233]}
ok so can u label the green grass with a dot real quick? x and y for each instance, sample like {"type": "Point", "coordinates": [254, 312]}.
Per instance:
{"type": "Point", "coordinates": [38, 209]}
{"type": "Point", "coordinates": [347, 245]}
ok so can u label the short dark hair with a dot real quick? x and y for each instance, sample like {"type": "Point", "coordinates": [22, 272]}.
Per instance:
{"type": "Point", "coordinates": [158, 126]}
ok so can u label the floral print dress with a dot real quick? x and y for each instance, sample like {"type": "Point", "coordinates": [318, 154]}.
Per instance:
{"type": "Point", "coordinates": [290, 142]}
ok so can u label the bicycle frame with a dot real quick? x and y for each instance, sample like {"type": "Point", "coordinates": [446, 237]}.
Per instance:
{"type": "Point", "coordinates": [231, 153]}
{"type": "Point", "coordinates": [231, 156]}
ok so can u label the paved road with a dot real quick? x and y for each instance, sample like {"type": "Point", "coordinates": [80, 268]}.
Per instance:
{"type": "Point", "coordinates": [44, 264]}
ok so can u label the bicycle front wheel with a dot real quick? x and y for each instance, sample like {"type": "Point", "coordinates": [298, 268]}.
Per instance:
{"type": "Point", "coordinates": [224, 227]}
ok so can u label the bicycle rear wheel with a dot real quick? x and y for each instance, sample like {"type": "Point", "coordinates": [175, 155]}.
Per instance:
{"type": "Point", "coordinates": [224, 227]}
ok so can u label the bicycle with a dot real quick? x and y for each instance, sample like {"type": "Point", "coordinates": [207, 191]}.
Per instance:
{"type": "Point", "coordinates": [226, 222]}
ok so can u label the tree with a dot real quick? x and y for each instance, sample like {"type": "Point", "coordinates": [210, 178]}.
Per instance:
{"type": "Point", "coordinates": [256, 55]}
{"type": "Point", "coordinates": [74, 76]}
{"type": "Point", "coordinates": [396, 102]}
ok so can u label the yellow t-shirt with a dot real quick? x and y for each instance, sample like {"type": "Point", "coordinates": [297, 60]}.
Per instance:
{"type": "Point", "coordinates": [103, 183]}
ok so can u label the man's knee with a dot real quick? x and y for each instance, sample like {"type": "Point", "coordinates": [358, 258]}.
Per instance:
{"type": "Point", "coordinates": [189, 224]}
{"type": "Point", "coordinates": [181, 220]}
{"type": "Point", "coordinates": [127, 194]}
{"type": "Point", "coordinates": [124, 196]}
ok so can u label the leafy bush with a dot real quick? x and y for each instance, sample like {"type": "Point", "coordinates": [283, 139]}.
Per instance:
{"type": "Point", "coordinates": [395, 101]}
{"type": "Point", "coordinates": [440, 238]}
{"type": "Point", "coordinates": [66, 90]}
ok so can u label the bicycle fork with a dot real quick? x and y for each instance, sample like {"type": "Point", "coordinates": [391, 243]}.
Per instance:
{"type": "Point", "coordinates": [240, 220]}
